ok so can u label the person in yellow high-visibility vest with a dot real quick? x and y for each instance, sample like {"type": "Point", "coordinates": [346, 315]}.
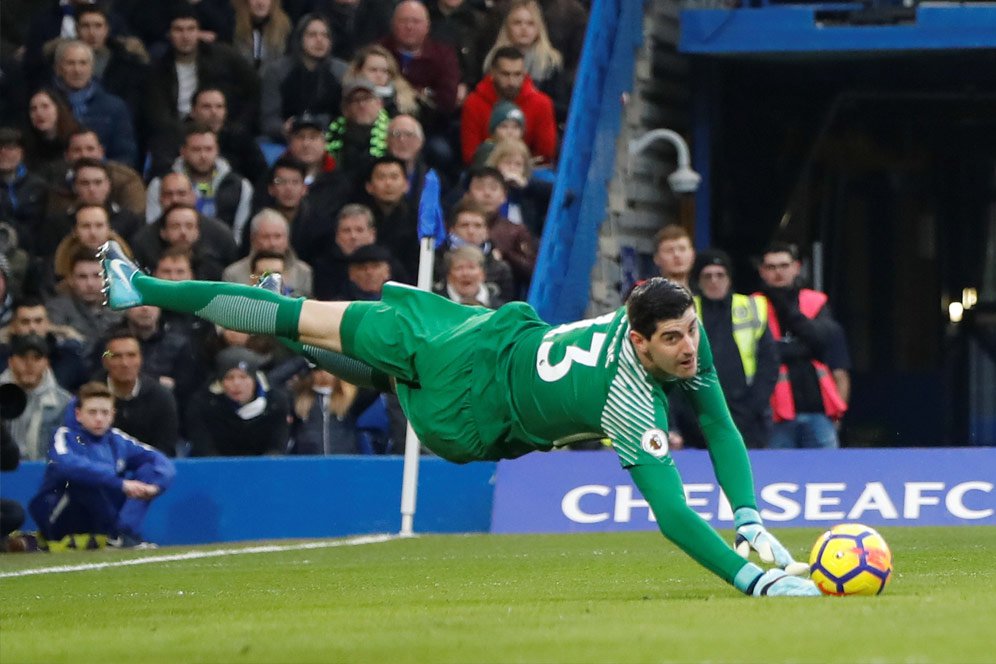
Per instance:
{"type": "Point", "coordinates": [743, 348]}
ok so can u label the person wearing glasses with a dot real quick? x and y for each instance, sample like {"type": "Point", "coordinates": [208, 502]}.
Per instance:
{"type": "Point", "coordinates": [806, 404]}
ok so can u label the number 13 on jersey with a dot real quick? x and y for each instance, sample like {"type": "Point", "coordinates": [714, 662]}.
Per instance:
{"type": "Point", "coordinates": [584, 351]}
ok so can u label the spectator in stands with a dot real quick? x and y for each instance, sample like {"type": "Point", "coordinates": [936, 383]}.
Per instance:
{"type": "Point", "coordinates": [81, 306]}
{"type": "Point", "coordinates": [91, 228]}
{"type": "Point", "coordinates": [405, 141]}
{"type": "Point", "coordinates": [306, 144]}
{"type": "Point", "coordinates": [65, 344]}
{"type": "Point", "coordinates": [190, 63]}
{"type": "Point", "coordinates": [261, 30]}
{"type": "Point", "coordinates": [673, 254]}
{"type": "Point", "coordinates": [23, 193]}
{"type": "Point", "coordinates": [286, 193]}
{"type": "Point", "coordinates": [394, 217]}
{"type": "Point", "coordinates": [49, 27]}
{"type": "Point", "coordinates": [465, 279]}
{"type": "Point", "coordinates": [507, 122]}
{"type": "Point", "coordinates": [98, 480]}
{"type": "Point", "coordinates": [525, 29]}
{"type": "Point", "coordinates": [269, 232]}
{"type": "Point", "coordinates": [507, 80]}
{"type": "Point", "coordinates": [238, 414]}
{"type": "Point", "coordinates": [127, 188]}
{"type": "Point", "coordinates": [144, 408]}
{"type": "Point", "coordinates": [459, 23]}
{"type": "Point", "coordinates": [209, 108]}
{"type": "Point", "coordinates": [528, 198]}
{"type": "Point", "coordinates": [487, 188]}
{"type": "Point", "coordinates": [29, 369]}
{"type": "Point", "coordinates": [90, 185]}
{"type": "Point", "coordinates": [306, 80]}
{"type": "Point", "coordinates": [176, 189]}
{"type": "Point", "coordinates": [806, 402]}
{"type": "Point", "coordinates": [167, 350]}
{"type": "Point", "coordinates": [742, 347]}
{"type": "Point", "coordinates": [181, 227]}
{"type": "Point", "coordinates": [220, 191]}
{"type": "Point", "coordinates": [93, 106]}
{"type": "Point", "coordinates": [175, 264]}
{"type": "Point", "coordinates": [429, 66]}
{"type": "Point", "coordinates": [50, 122]}
{"type": "Point", "coordinates": [566, 21]}
{"type": "Point", "coordinates": [354, 228]}
{"type": "Point", "coordinates": [468, 226]}
{"type": "Point", "coordinates": [369, 268]}
{"type": "Point", "coordinates": [359, 135]}
{"type": "Point", "coordinates": [323, 423]}
{"type": "Point", "coordinates": [376, 64]}
{"type": "Point", "coordinates": [121, 63]}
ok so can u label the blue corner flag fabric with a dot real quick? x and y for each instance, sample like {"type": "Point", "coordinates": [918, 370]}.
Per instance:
{"type": "Point", "coordinates": [430, 212]}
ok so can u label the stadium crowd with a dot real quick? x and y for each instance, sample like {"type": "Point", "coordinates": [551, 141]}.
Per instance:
{"type": "Point", "coordinates": [227, 139]}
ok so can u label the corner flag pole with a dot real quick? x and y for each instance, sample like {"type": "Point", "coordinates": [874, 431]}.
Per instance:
{"type": "Point", "coordinates": [430, 230]}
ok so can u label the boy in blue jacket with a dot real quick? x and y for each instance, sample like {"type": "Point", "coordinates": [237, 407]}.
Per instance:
{"type": "Point", "coordinates": [99, 479]}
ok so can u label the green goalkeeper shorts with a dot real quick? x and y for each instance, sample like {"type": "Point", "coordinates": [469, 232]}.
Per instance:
{"type": "Point", "coordinates": [438, 344]}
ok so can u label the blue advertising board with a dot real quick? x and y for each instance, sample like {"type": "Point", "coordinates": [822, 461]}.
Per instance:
{"type": "Point", "coordinates": [232, 498]}
{"type": "Point", "coordinates": [586, 492]}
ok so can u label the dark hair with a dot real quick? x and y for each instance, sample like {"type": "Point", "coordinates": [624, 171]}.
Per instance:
{"type": "Point", "coordinates": [386, 159]}
{"type": "Point", "coordinates": [90, 9]}
{"type": "Point", "coordinates": [90, 162]}
{"type": "Point", "coordinates": [93, 390]}
{"type": "Point", "coordinates": [289, 163]}
{"type": "Point", "coordinates": [207, 87]}
{"type": "Point", "coordinates": [183, 10]}
{"type": "Point", "coordinates": [507, 53]}
{"type": "Point", "coordinates": [466, 205]}
{"type": "Point", "coordinates": [779, 247]}
{"type": "Point", "coordinates": [83, 130]}
{"type": "Point", "coordinates": [26, 301]}
{"type": "Point", "coordinates": [176, 252]}
{"type": "Point", "coordinates": [267, 254]}
{"type": "Point", "coordinates": [82, 255]}
{"type": "Point", "coordinates": [178, 206]}
{"type": "Point", "coordinates": [65, 122]}
{"type": "Point", "coordinates": [486, 172]}
{"type": "Point", "coordinates": [121, 332]}
{"type": "Point", "coordinates": [196, 129]}
{"type": "Point", "coordinates": [656, 300]}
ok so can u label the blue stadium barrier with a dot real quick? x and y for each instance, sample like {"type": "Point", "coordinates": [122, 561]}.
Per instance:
{"type": "Point", "coordinates": [562, 279]}
{"type": "Point", "coordinates": [237, 499]}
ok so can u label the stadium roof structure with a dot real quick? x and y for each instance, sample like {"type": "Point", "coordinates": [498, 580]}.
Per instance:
{"type": "Point", "coordinates": [822, 28]}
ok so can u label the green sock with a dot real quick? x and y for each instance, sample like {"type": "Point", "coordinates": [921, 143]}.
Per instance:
{"type": "Point", "coordinates": [235, 306]}
{"type": "Point", "coordinates": [661, 487]}
{"type": "Point", "coordinates": [350, 370]}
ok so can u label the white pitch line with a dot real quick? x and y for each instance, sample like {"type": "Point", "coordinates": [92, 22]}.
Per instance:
{"type": "Point", "coordinates": [194, 555]}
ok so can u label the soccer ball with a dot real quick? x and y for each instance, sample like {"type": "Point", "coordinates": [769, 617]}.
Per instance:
{"type": "Point", "coordinates": [850, 559]}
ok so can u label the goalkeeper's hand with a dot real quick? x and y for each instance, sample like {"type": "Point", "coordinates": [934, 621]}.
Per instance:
{"type": "Point", "coordinates": [776, 583]}
{"type": "Point", "coordinates": [751, 534]}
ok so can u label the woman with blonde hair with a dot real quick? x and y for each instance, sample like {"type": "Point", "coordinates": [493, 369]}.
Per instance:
{"type": "Point", "coordinates": [525, 29]}
{"type": "Point", "coordinates": [261, 30]}
{"type": "Point", "coordinates": [376, 64]}
{"type": "Point", "coordinates": [528, 197]}
{"type": "Point", "coordinates": [323, 422]}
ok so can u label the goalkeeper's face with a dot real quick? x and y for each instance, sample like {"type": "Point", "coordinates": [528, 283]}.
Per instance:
{"type": "Point", "coordinates": [673, 349]}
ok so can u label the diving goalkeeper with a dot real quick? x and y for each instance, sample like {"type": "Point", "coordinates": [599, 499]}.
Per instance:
{"type": "Point", "coordinates": [478, 384]}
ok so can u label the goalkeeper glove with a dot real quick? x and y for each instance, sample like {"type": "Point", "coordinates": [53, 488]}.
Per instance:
{"type": "Point", "coordinates": [751, 534]}
{"type": "Point", "coordinates": [776, 583]}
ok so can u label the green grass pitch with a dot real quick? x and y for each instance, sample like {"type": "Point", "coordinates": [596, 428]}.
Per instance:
{"type": "Point", "coordinates": [622, 597]}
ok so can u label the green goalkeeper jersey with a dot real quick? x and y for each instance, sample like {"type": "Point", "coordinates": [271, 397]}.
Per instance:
{"type": "Point", "coordinates": [583, 380]}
